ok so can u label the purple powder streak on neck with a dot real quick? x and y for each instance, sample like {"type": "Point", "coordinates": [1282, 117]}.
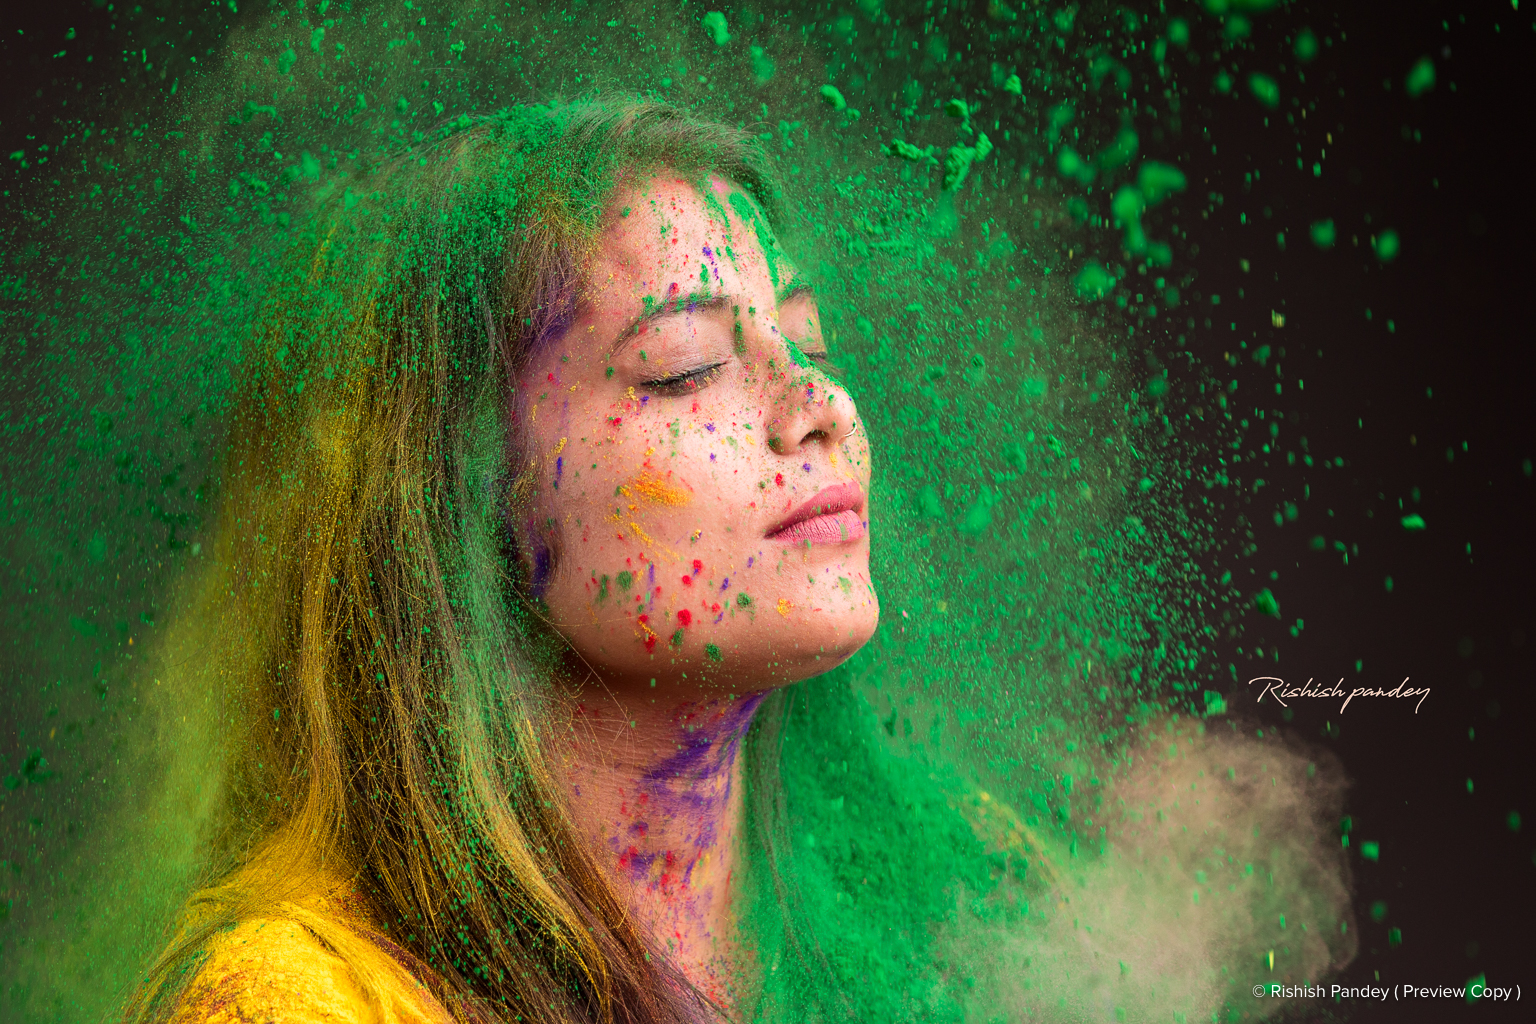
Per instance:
{"type": "Point", "coordinates": [721, 738]}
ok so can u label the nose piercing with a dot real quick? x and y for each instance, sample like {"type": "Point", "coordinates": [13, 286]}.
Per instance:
{"type": "Point", "coordinates": [850, 433]}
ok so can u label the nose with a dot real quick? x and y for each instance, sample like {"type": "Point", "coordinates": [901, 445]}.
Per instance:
{"type": "Point", "coordinates": [808, 409]}
{"type": "Point", "coordinates": [805, 406]}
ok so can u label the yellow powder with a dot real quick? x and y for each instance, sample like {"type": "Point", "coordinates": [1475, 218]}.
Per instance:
{"type": "Point", "coordinates": [653, 488]}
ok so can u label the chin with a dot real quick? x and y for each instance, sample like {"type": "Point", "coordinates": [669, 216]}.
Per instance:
{"type": "Point", "coordinates": [828, 648]}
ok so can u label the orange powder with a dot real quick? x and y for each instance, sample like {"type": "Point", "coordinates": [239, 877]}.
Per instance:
{"type": "Point", "coordinates": [653, 488]}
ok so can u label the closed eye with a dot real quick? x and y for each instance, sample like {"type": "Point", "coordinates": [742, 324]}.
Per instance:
{"type": "Point", "coordinates": [823, 360]}
{"type": "Point", "coordinates": [684, 383]}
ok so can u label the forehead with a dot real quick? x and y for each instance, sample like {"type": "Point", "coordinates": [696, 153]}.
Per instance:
{"type": "Point", "coordinates": [663, 215]}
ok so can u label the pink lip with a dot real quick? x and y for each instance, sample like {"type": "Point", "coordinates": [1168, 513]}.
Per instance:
{"type": "Point", "coordinates": [834, 515]}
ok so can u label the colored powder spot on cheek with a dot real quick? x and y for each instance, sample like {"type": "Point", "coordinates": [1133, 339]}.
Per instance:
{"type": "Point", "coordinates": [609, 372]}
{"type": "Point", "coordinates": [687, 581]}
{"type": "Point", "coordinates": [624, 579]}
{"type": "Point", "coordinates": [784, 607]}
{"type": "Point", "coordinates": [712, 652]}
{"type": "Point", "coordinates": [778, 478]}
{"type": "Point", "coordinates": [698, 566]}
{"type": "Point", "coordinates": [725, 584]}
{"type": "Point", "coordinates": [709, 427]}
{"type": "Point", "coordinates": [650, 643]}
{"type": "Point", "coordinates": [742, 600]}
{"type": "Point", "coordinates": [677, 639]}
{"type": "Point", "coordinates": [653, 488]}
{"type": "Point", "coordinates": [685, 618]}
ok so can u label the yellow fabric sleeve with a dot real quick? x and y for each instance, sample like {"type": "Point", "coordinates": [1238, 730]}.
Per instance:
{"type": "Point", "coordinates": [275, 971]}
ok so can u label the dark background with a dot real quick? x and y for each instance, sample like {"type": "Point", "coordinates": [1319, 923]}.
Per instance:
{"type": "Point", "coordinates": [1456, 877]}
{"type": "Point", "coordinates": [1439, 403]}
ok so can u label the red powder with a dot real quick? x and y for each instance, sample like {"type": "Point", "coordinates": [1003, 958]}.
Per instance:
{"type": "Point", "coordinates": [684, 617]}
{"type": "Point", "coordinates": [698, 566]}
{"type": "Point", "coordinates": [687, 581]}
{"type": "Point", "coordinates": [778, 478]}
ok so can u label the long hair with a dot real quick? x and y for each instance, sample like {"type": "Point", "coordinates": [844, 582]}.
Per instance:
{"type": "Point", "coordinates": [368, 618]}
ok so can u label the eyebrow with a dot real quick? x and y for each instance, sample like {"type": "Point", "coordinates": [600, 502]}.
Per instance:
{"type": "Point", "coordinates": [662, 310]}
{"type": "Point", "coordinates": [690, 304]}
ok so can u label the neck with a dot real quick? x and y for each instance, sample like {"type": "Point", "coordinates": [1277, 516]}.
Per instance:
{"type": "Point", "coordinates": [656, 787]}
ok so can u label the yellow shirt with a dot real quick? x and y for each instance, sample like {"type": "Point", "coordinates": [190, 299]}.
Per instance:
{"type": "Point", "coordinates": [277, 970]}
{"type": "Point", "coordinates": [274, 970]}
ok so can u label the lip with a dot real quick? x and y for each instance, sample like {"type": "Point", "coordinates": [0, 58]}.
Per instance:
{"type": "Point", "coordinates": [833, 515]}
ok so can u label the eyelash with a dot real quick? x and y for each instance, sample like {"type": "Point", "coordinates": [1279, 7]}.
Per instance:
{"type": "Point", "coordinates": [685, 383]}
{"type": "Point", "coordinates": [823, 360]}
{"type": "Point", "coordinates": [696, 380]}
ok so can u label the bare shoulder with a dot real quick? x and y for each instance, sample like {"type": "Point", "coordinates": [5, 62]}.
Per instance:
{"type": "Point", "coordinates": [274, 970]}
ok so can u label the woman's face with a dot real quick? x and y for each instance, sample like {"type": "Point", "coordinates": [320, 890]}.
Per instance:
{"type": "Point", "coordinates": [703, 472]}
